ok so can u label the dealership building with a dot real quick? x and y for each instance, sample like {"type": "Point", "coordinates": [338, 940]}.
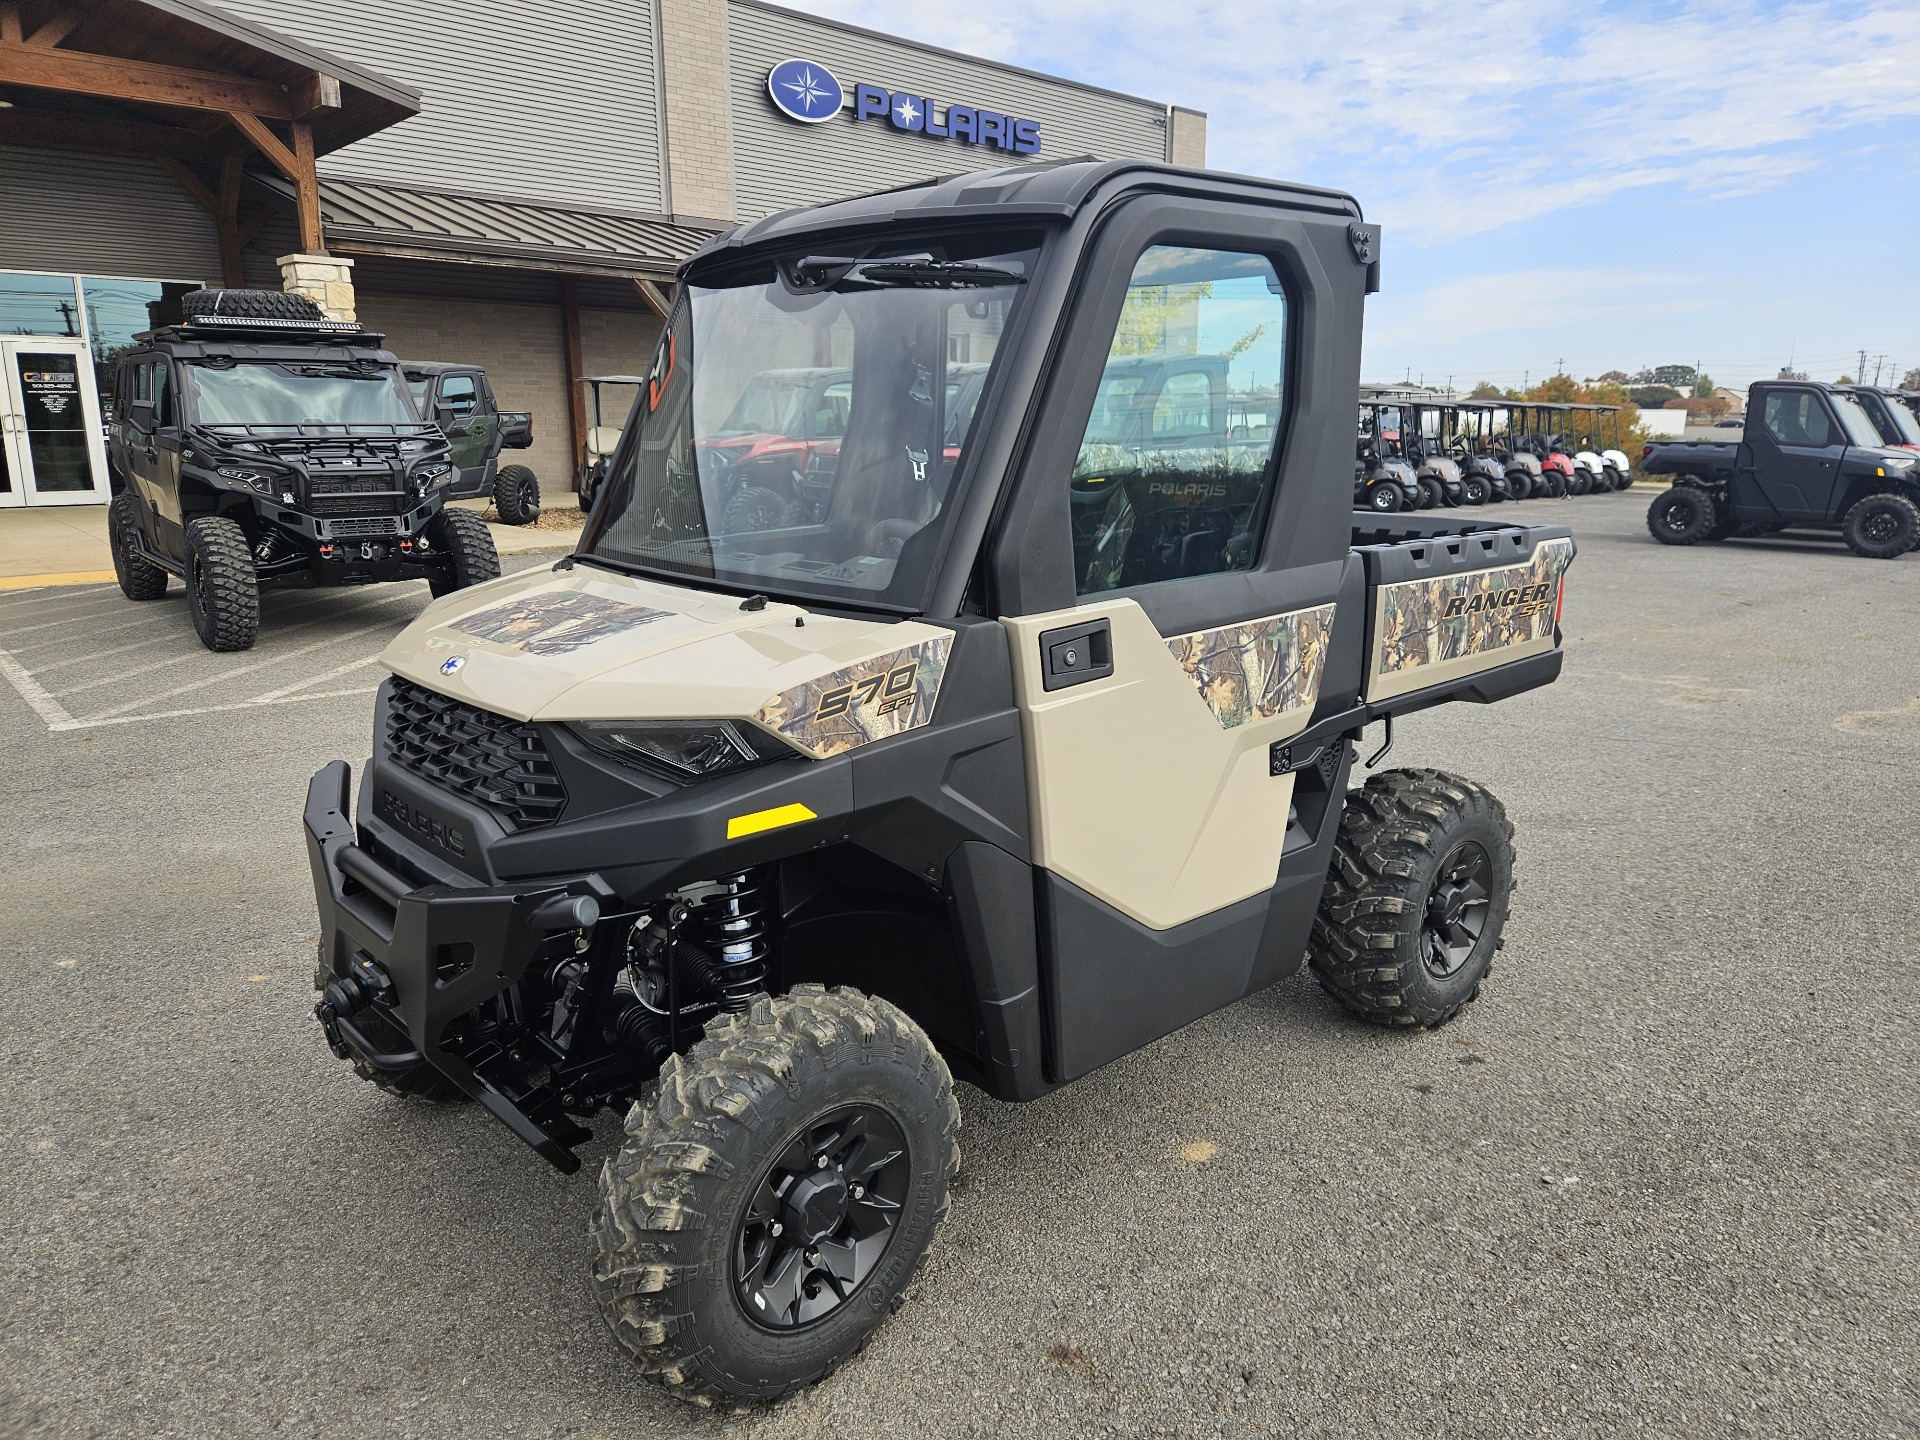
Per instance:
{"type": "Point", "coordinates": [507, 183]}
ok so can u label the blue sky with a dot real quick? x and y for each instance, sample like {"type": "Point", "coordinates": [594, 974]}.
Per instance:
{"type": "Point", "coordinates": [1605, 185]}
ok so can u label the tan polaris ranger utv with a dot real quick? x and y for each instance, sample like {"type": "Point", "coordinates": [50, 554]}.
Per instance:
{"type": "Point", "coordinates": [1001, 737]}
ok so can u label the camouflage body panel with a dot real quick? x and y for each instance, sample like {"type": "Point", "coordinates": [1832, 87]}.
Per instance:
{"type": "Point", "coordinates": [854, 706]}
{"type": "Point", "coordinates": [556, 623]}
{"type": "Point", "coordinates": [1259, 669]}
{"type": "Point", "coordinates": [1453, 618]}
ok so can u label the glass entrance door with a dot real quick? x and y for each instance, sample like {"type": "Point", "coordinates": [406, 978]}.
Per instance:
{"type": "Point", "coordinates": [51, 450]}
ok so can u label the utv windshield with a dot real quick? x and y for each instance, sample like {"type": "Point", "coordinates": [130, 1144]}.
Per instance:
{"type": "Point", "coordinates": [1900, 420]}
{"type": "Point", "coordinates": [1859, 425]}
{"type": "Point", "coordinates": [263, 393]}
{"type": "Point", "coordinates": [728, 472]}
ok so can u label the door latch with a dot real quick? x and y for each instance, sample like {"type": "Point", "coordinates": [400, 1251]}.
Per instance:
{"type": "Point", "coordinates": [1075, 654]}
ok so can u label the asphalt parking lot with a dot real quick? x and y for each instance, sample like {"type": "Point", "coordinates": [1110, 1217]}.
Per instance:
{"type": "Point", "coordinates": [1659, 1180]}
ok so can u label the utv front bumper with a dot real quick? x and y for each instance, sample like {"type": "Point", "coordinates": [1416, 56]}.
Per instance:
{"type": "Point", "coordinates": [422, 957]}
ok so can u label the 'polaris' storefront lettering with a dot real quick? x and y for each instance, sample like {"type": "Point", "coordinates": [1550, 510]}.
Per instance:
{"type": "Point", "coordinates": [808, 91]}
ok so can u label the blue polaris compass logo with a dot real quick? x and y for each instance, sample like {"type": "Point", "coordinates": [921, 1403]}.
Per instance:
{"type": "Point", "coordinates": [453, 666]}
{"type": "Point", "coordinates": [807, 91]}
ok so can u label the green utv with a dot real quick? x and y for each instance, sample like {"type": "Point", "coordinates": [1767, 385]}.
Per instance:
{"type": "Point", "coordinates": [459, 399]}
{"type": "Point", "coordinates": [1027, 744]}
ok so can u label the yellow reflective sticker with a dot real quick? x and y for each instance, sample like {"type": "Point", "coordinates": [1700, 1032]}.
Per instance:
{"type": "Point", "coordinates": [741, 825]}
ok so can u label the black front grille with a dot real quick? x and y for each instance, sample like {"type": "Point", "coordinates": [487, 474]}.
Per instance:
{"type": "Point", "coordinates": [337, 529]}
{"type": "Point", "coordinates": [499, 762]}
{"type": "Point", "coordinates": [358, 504]}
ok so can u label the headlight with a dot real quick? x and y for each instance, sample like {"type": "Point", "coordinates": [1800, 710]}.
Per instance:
{"type": "Point", "coordinates": [683, 749]}
{"type": "Point", "coordinates": [430, 473]}
{"type": "Point", "coordinates": [256, 479]}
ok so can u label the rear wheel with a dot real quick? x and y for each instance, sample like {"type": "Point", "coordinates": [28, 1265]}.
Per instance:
{"type": "Point", "coordinates": [1429, 493]}
{"type": "Point", "coordinates": [466, 547]}
{"type": "Point", "coordinates": [1684, 515]}
{"type": "Point", "coordinates": [773, 1199]}
{"type": "Point", "coordinates": [1579, 483]}
{"type": "Point", "coordinates": [1881, 527]}
{"type": "Point", "coordinates": [1384, 496]}
{"type": "Point", "coordinates": [223, 592]}
{"type": "Point", "coordinates": [516, 495]}
{"type": "Point", "coordinates": [139, 577]}
{"type": "Point", "coordinates": [1416, 898]}
{"type": "Point", "coordinates": [1519, 484]}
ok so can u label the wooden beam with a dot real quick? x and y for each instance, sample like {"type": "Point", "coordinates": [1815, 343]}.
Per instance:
{"type": "Point", "coordinates": [651, 293]}
{"type": "Point", "coordinates": [192, 184]}
{"type": "Point", "coordinates": [233, 265]}
{"type": "Point", "coordinates": [108, 137]}
{"type": "Point", "coordinates": [267, 143]}
{"type": "Point", "coordinates": [108, 77]}
{"type": "Point", "coordinates": [306, 192]}
{"type": "Point", "coordinates": [576, 367]}
{"type": "Point", "coordinates": [9, 22]}
{"type": "Point", "coordinates": [320, 94]}
{"type": "Point", "coordinates": [55, 30]}
{"type": "Point", "coordinates": [250, 229]}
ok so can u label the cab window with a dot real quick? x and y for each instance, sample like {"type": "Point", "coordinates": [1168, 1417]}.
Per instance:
{"type": "Point", "coordinates": [1796, 417]}
{"type": "Point", "coordinates": [162, 395]}
{"type": "Point", "coordinates": [459, 397]}
{"type": "Point", "coordinates": [1174, 477]}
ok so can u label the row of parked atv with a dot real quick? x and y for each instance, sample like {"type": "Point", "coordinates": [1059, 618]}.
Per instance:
{"type": "Point", "coordinates": [1416, 454]}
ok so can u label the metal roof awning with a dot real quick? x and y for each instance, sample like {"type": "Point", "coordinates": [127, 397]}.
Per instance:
{"type": "Point", "coordinates": [364, 217]}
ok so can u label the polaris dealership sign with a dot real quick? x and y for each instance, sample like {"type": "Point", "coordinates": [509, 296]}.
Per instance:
{"type": "Point", "coordinates": [807, 91]}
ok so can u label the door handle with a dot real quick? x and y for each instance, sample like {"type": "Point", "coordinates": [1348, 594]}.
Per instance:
{"type": "Point", "coordinates": [1075, 654]}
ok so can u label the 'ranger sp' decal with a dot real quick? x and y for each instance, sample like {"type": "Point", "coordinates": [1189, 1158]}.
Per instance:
{"type": "Point", "coordinates": [885, 696]}
{"type": "Point", "coordinates": [1259, 669]}
{"type": "Point", "coordinates": [1423, 622]}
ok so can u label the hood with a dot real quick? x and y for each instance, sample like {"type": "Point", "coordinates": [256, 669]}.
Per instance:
{"type": "Point", "coordinates": [584, 644]}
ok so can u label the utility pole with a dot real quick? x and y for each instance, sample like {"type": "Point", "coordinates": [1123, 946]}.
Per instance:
{"type": "Point", "coordinates": [1861, 373]}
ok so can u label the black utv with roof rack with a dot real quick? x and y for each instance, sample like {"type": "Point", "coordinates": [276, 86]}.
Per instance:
{"type": "Point", "coordinates": [259, 442]}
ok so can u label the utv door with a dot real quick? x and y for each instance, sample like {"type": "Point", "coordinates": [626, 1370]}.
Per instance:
{"type": "Point", "coordinates": [464, 412]}
{"type": "Point", "coordinates": [1172, 606]}
{"type": "Point", "coordinates": [1796, 452]}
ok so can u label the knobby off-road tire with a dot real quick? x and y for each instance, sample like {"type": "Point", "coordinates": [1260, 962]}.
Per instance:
{"type": "Point", "coordinates": [516, 495]}
{"type": "Point", "coordinates": [465, 543]}
{"type": "Point", "coordinates": [252, 304]}
{"type": "Point", "coordinates": [699, 1209]}
{"type": "Point", "coordinates": [416, 1082]}
{"type": "Point", "coordinates": [223, 593]}
{"type": "Point", "coordinates": [1881, 527]}
{"type": "Point", "coordinates": [1684, 515]}
{"type": "Point", "coordinates": [1416, 898]}
{"type": "Point", "coordinates": [139, 577]}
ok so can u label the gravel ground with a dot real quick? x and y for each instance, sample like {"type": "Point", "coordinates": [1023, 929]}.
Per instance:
{"type": "Point", "coordinates": [1660, 1180]}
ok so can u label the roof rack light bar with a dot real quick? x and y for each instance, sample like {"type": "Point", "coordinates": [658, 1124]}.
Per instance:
{"type": "Point", "coordinates": [248, 322]}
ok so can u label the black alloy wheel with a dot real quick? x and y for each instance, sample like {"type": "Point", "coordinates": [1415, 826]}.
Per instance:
{"type": "Point", "coordinates": [821, 1218]}
{"type": "Point", "coordinates": [1457, 908]}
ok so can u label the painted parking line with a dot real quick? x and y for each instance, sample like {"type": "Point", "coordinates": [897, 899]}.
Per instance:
{"type": "Point", "coordinates": [49, 582]}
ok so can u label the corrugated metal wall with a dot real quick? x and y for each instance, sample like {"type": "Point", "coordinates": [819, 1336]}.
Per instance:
{"type": "Point", "coordinates": [779, 163]}
{"type": "Point", "coordinates": [556, 100]}
{"type": "Point", "coordinates": [101, 215]}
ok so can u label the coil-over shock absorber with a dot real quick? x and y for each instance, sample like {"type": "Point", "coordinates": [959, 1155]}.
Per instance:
{"type": "Point", "coordinates": [730, 923]}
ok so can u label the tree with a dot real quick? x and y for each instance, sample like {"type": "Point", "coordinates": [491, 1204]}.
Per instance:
{"type": "Point", "coordinates": [1612, 377]}
{"type": "Point", "coordinates": [1487, 390]}
{"type": "Point", "coordinates": [1652, 397]}
{"type": "Point", "coordinates": [1911, 380]}
{"type": "Point", "coordinates": [1679, 377]}
{"type": "Point", "coordinates": [1704, 387]}
{"type": "Point", "coordinates": [1562, 389]}
{"type": "Point", "coordinates": [1844, 380]}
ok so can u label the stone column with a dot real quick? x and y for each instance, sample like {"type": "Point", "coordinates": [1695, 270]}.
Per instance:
{"type": "Point", "coordinates": [327, 280]}
{"type": "Point", "coordinates": [693, 53]}
{"type": "Point", "coordinates": [1186, 137]}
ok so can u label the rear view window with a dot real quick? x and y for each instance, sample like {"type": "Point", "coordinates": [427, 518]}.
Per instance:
{"type": "Point", "coordinates": [1175, 470]}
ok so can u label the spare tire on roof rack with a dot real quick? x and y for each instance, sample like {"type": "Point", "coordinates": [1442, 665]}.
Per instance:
{"type": "Point", "coordinates": [250, 305]}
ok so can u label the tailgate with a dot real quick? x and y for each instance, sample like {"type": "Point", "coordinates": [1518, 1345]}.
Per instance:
{"type": "Point", "coordinates": [1444, 607]}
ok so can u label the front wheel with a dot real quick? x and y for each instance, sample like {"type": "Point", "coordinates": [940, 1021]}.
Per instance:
{"type": "Point", "coordinates": [466, 548]}
{"type": "Point", "coordinates": [223, 590]}
{"type": "Point", "coordinates": [1881, 527]}
{"type": "Point", "coordinates": [1475, 490]}
{"type": "Point", "coordinates": [1416, 898]}
{"type": "Point", "coordinates": [1430, 495]}
{"type": "Point", "coordinates": [516, 495]}
{"type": "Point", "coordinates": [1519, 485]}
{"type": "Point", "coordinates": [773, 1199]}
{"type": "Point", "coordinates": [1383, 496]}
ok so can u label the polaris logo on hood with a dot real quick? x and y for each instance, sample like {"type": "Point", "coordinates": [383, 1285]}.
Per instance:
{"type": "Point", "coordinates": [809, 92]}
